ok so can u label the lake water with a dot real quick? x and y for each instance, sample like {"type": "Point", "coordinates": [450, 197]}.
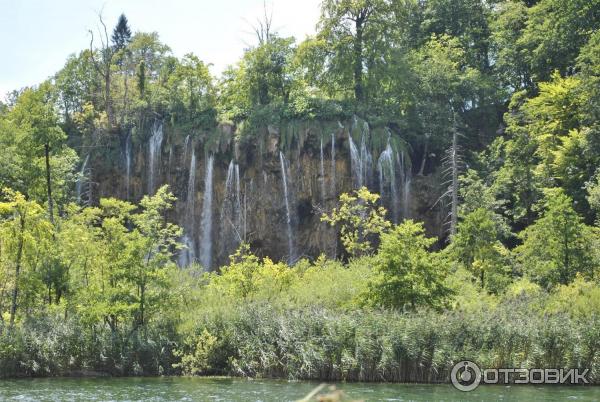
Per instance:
{"type": "Point", "coordinates": [228, 389]}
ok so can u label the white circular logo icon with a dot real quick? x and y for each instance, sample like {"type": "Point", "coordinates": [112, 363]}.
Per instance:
{"type": "Point", "coordinates": [465, 375]}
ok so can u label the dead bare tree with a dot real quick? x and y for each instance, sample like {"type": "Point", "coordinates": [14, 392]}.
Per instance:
{"type": "Point", "coordinates": [264, 27]}
{"type": "Point", "coordinates": [452, 165]}
{"type": "Point", "coordinates": [103, 65]}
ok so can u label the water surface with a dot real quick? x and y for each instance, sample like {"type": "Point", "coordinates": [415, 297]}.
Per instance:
{"type": "Point", "coordinates": [229, 389]}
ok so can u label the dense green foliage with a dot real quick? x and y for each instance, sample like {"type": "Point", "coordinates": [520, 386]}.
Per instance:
{"type": "Point", "coordinates": [516, 83]}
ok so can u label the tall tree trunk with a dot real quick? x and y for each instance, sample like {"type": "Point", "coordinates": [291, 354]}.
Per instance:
{"type": "Point", "coordinates": [358, 61]}
{"type": "Point", "coordinates": [49, 183]}
{"type": "Point", "coordinates": [15, 293]}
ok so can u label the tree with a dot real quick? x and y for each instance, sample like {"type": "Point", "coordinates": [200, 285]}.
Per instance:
{"type": "Point", "coordinates": [103, 65]}
{"type": "Point", "coordinates": [551, 115]}
{"type": "Point", "coordinates": [475, 194]}
{"type": "Point", "coordinates": [121, 278]}
{"type": "Point", "coordinates": [105, 293]}
{"type": "Point", "coordinates": [588, 65]}
{"type": "Point", "coordinates": [149, 60]}
{"type": "Point", "coordinates": [452, 165]}
{"type": "Point", "coordinates": [247, 277]}
{"type": "Point", "coordinates": [446, 88]}
{"type": "Point", "coordinates": [466, 20]}
{"type": "Point", "coordinates": [360, 220]}
{"type": "Point", "coordinates": [555, 32]}
{"type": "Point", "coordinates": [192, 97]}
{"type": "Point", "coordinates": [153, 246]}
{"type": "Point", "coordinates": [35, 113]}
{"type": "Point", "coordinates": [508, 23]}
{"type": "Point", "coordinates": [349, 27]}
{"type": "Point", "coordinates": [76, 84]}
{"type": "Point", "coordinates": [146, 47]}
{"type": "Point", "coordinates": [516, 180]}
{"type": "Point", "coordinates": [477, 248]}
{"type": "Point", "coordinates": [406, 274]}
{"type": "Point", "coordinates": [558, 245]}
{"type": "Point", "coordinates": [21, 225]}
{"type": "Point", "coordinates": [550, 136]}
{"type": "Point", "coordinates": [264, 76]}
{"type": "Point", "coordinates": [13, 172]}
{"type": "Point", "coordinates": [121, 35]}
{"type": "Point", "coordinates": [593, 197]}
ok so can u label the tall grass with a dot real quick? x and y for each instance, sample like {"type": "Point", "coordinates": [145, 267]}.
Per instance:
{"type": "Point", "coordinates": [52, 346]}
{"type": "Point", "coordinates": [312, 343]}
{"type": "Point", "coordinates": [319, 344]}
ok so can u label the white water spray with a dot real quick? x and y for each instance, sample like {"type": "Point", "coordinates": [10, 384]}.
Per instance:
{"type": "Point", "coordinates": [154, 146]}
{"type": "Point", "coordinates": [188, 255]}
{"type": "Point", "coordinates": [206, 222]}
{"type": "Point", "coordinates": [290, 236]}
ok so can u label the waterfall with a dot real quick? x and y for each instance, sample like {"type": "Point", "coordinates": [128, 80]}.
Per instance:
{"type": "Point", "coordinates": [185, 148]}
{"type": "Point", "coordinates": [154, 146]}
{"type": "Point", "coordinates": [322, 171]}
{"type": "Point", "coordinates": [387, 178]}
{"type": "Point", "coordinates": [333, 189]}
{"type": "Point", "coordinates": [127, 165]}
{"type": "Point", "coordinates": [361, 160]}
{"type": "Point", "coordinates": [231, 211]}
{"type": "Point", "coordinates": [81, 179]}
{"type": "Point", "coordinates": [286, 195]}
{"type": "Point", "coordinates": [355, 164]}
{"type": "Point", "coordinates": [366, 160]}
{"type": "Point", "coordinates": [206, 222]}
{"type": "Point", "coordinates": [188, 255]}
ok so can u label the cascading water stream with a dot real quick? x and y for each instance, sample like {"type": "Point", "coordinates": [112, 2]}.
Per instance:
{"type": "Point", "coordinates": [185, 149]}
{"type": "Point", "coordinates": [206, 221]}
{"type": "Point", "coordinates": [355, 164]}
{"type": "Point", "coordinates": [365, 158]}
{"type": "Point", "coordinates": [361, 160]}
{"type": "Point", "coordinates": [188, 255]}
{"type": "Point", "coordinates": [231, 214]}
{"type": "Point", "coordinates": [387, 179]}
{"type": "Point", "coordinates": [154, 146]}
{"type": "Point", "coordinates": [286, 195]}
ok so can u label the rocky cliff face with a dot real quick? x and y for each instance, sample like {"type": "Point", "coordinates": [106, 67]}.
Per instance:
{"type": "Point", "coordinates": [269, 191]}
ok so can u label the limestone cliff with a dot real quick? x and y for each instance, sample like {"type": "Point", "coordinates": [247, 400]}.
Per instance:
{"type": "Point", "coordinates": [268, 189]}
